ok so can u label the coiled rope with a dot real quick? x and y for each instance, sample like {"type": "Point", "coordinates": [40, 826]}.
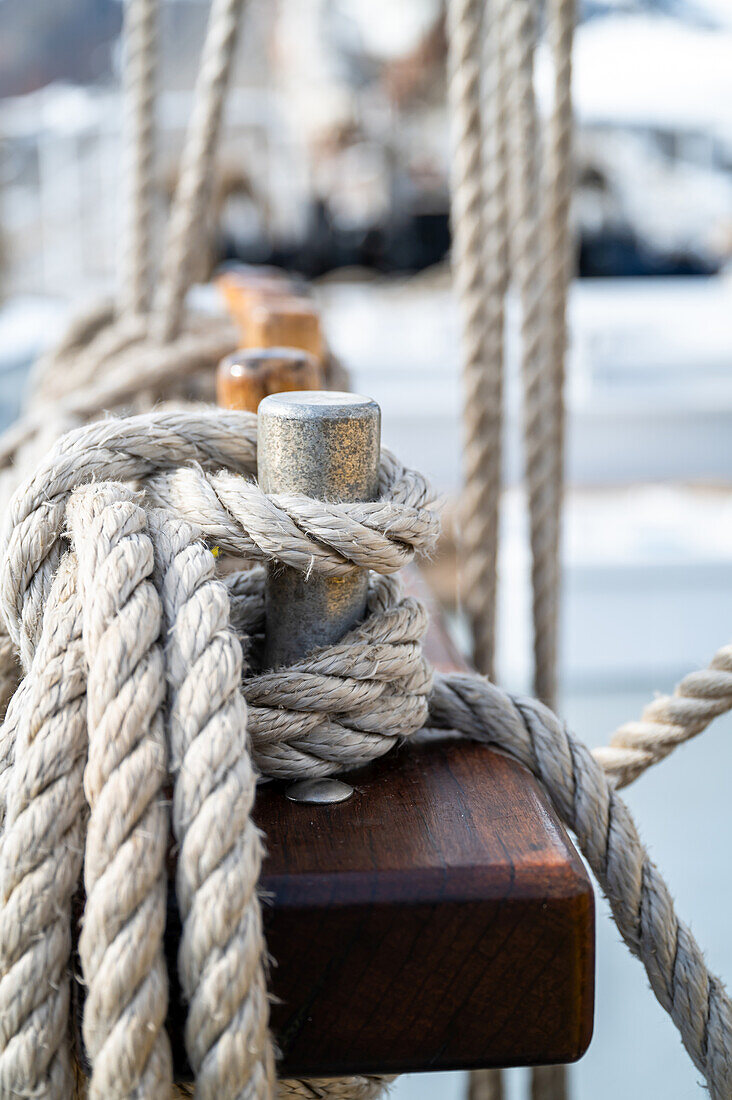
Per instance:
{"type": "Point", "coordinates": [95, 573]}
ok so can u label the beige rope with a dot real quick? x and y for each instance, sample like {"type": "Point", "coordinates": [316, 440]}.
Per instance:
{"type": "Point", "coordinates": [670, 720]}
{"type": "Point", "coordinates": [325, 1088]}
{"type": "Point", "coordinates": [222, 952]}
{"type": "Point", "coordinates": [485, 1084]}
{"type": "Point", "coordinates": [639, 899]}
{"type": "Point", "coordinates": [40, 855]}
{"type": "Point", "coordinates": [138, 98]}
{"type": "Point", "coordinates": [478, 258]}
{"type": "Point", "coordinates": [549, 1083]}
{"type": "Point", "coordinates": [558, 179]}
{"type": "Point", "coordinates": [121, 941]}
{"type": "Point", "coordinates": [483, 395]}
{"type": "Point", "coordinates": [341, 685]}
{"type": "Point", "coordinates": [538, 437]}
{"type": "Point", "coordinates": [196, 167]}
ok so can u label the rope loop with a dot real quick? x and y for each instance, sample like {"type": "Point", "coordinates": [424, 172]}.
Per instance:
{"type": "Point", "coordinates": [142, 676]}
{"type": "Point", "coordinates": [178, 457]}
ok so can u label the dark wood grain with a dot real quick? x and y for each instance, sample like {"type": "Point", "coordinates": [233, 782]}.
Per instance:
{"type": "Point", "coordinates": [439, 919]}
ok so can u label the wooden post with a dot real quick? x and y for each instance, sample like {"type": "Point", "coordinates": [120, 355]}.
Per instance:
{"type": "Point", "coordinates": [245, 378]}
{"type": "Point", "coordinates": [290, 322]}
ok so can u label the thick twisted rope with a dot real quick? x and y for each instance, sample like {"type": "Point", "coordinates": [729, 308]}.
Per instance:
{"type": "Point", "coordinates": [670, 720]}
{"type": "Point", "coordinates": [196, 168]}
{"type": "Point", "coordinates": [639, 899]}
{"type": "Point", "coordinates": [121, 942]}
{"type": "Point", "coordinates": [558, 179]}
{"type": "Point", "coordinates": [42, 802]}
{"type": "Point", "coordinates": [139, 102]}
{"type": "Point", "coordinates": [538, 437]}
{"type": "Point", "coordinates": [325, 1088]}
{"type": "Point", "coordinates": [293, 711]}
{"type": "Point", "coordinates": [479, 265]}
{"type": "Point", "coordinates": [222, 953]}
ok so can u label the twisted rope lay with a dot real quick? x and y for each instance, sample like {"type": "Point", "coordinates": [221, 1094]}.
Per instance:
{"type": "Point", "coordinates": [479, 264]}
{"type": "Point", "coordinates": [94, 574]}
{"type": "Point", "coordinates": [670, 720]}
{"type": "Point", "coordinates": [139, 102]}
{"type": "Point", "coordinates": [196, 168]}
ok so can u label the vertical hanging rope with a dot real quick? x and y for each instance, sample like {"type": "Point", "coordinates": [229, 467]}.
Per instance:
{"type": "Point", "coordinates": [478, 234]}
{"type": "Point", "coordinates": [550, 1082]}
{"type": "Point", "coordinates": [138, 98]}
{"type": "Point", "coordinates": [196, 166]}
{"type": "Point", "coordinates": [544, 375]}
{"type": "Point", "coordinates": [121, 942]}
{"type": "Point", "coordinates": [527, 227]}
{"type": "Point", "coordinates": [479, 258]}
{"type": "Point", "coordinates": [558, 167]}
{"type": "Point", "coordinates": [222, 954]}
{"type": "Point", "coordinates": [47, 728]}
{"type": "Point", "coordinates": [485, 1084]}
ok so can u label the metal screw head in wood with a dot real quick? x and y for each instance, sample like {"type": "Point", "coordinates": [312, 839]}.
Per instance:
{"type": "Point", "coordinates": [322, 792]}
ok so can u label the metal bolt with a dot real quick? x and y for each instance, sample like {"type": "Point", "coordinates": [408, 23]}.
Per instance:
{"type": "Point", "coordinates": [325, 445]}
{"type": "Point", "coordinates": [324, 792]}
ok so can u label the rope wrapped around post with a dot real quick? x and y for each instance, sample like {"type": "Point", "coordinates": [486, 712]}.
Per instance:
{"type": "Point", "coordinates": [96, 558]}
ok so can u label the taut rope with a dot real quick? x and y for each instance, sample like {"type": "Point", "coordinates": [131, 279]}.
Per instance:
{"type": "Point", "coordinates": [479, 262]}
{"type": "Point", "coordinates": [139, 102]}
{"type": "Point", "coordinates": [95, 573]}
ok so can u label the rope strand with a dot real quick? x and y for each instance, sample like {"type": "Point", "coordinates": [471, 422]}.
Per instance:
{"type": "Point", "coordinates": [138, 97]}
{"type": "Point", "coordinates": [196, 166]}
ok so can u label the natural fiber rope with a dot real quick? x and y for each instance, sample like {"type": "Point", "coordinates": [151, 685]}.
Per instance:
{"type": "Point", "coordinates": [478, 260]}
{"type": "Point", "coordinates": [485, 1084]}
{"type": "Point", "coordinates": [369, 689]}
{"type": "Point", "coordinates": [196, 166]}
{"type": "Point", "coordinates": [138, 99]}
{"type": "Point", "coordinates": [557, 179]}
{"type": "Point", "coordinates": [530, 279]}
{"type": "Point", "coordinates": [121, 941]}
{"type": "Point", "coordinates": [669, 720]}
{"type": "Point", "coordinates": [550, 1082]}
{"type": "Point", "coordinates": [222, 953]}
{"type": "Point", "coordinates": [639, 899]}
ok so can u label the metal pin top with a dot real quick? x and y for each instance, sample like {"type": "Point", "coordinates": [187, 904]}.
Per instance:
{"type": "Point", "coordinates": [322, 443]}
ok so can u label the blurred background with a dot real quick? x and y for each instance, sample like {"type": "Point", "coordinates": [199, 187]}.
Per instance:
{"type": "Point", "coordinates": [335, 163]}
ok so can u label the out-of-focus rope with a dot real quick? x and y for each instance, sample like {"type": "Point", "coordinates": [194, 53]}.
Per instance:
{"type": "Point", "coordinates": [139, 106]}
{"type": "Point", "coordinates": [196, 168]}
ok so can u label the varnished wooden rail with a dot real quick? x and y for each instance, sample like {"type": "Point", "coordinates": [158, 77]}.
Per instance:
{"type": "Point", "coordinates": [439, 919]}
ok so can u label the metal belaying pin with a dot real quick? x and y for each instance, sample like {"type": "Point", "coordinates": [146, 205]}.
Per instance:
{"type": "Point", "coordinates": [325, 445]}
